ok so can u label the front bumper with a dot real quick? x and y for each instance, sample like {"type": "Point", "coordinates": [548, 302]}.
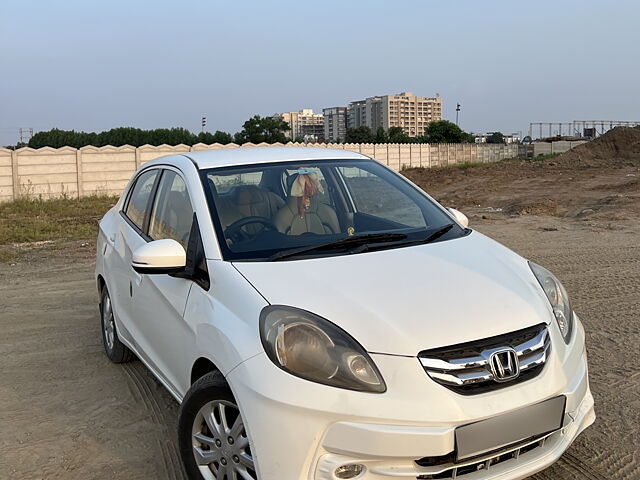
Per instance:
{"type": "Point", "coordinates": [303, 431]}
{"type": "Point", "coordinates": [507, 464]}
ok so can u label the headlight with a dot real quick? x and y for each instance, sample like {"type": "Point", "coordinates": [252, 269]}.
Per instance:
{"type": "Point", "coordinates": [558, 299]}
{"type": "Point", "coordinates": [315, 349]}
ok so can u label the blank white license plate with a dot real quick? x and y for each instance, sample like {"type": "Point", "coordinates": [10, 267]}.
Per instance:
{"type": "Point", "coordinates": [493, 433]}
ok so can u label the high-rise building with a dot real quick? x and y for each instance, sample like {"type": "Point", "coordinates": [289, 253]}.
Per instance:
{"type": "Point", "coordinates": [305, 125]}
{"type": "Point", "coordinates": [404, 110]}
{"type": "Point", "coordinates": [335, 123]}
{"type": "Point", "coordinates": [357, 114]}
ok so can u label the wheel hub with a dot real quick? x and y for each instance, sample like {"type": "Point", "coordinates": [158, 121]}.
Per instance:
{"type": "Point", "coordinates": [108, 323]}
{"type": "Point", "coordinates": [220, 445]}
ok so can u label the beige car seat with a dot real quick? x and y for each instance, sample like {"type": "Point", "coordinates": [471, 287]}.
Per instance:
{"type": "Point", "coordinates": [247, 201]}
{"type": "Point", "coordinates": [318, 217]}
{"type": "Point", "coordinates": [227, 212]}
{"type": "Point", "coordinates": [254, 201]}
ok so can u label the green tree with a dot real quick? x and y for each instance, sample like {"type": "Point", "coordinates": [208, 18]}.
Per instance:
{"type": "Point", "coordinates": [381, 136]}
{"type": "Point", "coordinates": [359, 135]}
{"type": "Point", "coordinates": [263, 129]}
{"type": "Point", "coordinates": [444, 131]}
{"type": "Point", "coordinates": [217, 137]}
{"type": "Point", "coordinates": [397, 135]}
{"type": "Point", "coordinates": [57, 138]}
{"type": "Point", "coordinates": [495, 137]}
{"type": "Point", "coordinates": [125, 136]}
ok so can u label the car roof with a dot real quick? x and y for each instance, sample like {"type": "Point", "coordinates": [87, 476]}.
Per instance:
{"type": "Point", "coordinates": [225, 157]}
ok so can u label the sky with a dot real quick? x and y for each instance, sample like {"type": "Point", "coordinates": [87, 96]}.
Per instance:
{"type": "Point", "coordinates": [90, 66]}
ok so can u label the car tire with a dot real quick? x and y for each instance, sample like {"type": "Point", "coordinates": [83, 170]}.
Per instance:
{"type": "Point", "coordinates": [113, 347]}
{"type": "Point", "coordinates": [211, 434]}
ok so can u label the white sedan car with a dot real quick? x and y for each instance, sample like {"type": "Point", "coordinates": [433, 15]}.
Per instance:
{"type": "Point", "coordinates": [320, 317]}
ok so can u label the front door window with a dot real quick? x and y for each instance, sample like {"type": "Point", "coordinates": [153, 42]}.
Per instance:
{"type": "Point", "coordinates": [172, 214]}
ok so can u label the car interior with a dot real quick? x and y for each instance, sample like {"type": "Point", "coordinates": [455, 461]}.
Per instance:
{"type": "Point", "coordinates": [275, 200]}
{"type": "Point", "coordinates": [285, 206]}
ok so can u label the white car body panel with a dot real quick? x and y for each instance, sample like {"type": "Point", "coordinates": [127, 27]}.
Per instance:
{"type": "Point", "coordinates": [394, 302]}
{"type": "Point", "coordinates": [159, 303]}
{"type": "Point", "coordinates": [223, 323]}
{"type": "Point", "coordinates": [406, 300]}
{"type": "Point", "coordinates": [257, 156]}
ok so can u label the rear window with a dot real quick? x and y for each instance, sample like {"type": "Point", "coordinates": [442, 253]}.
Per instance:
{"type": "Point", "coordinates": [224, 183]}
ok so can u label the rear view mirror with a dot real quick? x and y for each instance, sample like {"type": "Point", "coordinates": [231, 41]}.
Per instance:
{"type": "Point", "coordinates": [159, 256]}
{"type": "Point", "coordinates": [460, 217]}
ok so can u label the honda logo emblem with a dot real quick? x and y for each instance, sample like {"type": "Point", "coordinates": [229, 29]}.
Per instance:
{"type": "Point", "coordinates": [504, 365]}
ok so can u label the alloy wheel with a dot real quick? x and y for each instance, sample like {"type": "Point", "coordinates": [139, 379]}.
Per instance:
{"type": "Point", "coordinates": [220, 443]}
{"type": "Point", "coordinates": [108, 323]}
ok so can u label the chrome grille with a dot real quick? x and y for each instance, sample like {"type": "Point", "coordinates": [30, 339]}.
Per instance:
{"type": "Point", "coordinates": [465, 368]}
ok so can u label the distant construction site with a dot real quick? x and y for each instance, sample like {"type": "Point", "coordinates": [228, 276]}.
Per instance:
{"type": "Point", "coordinates": [575, 130]}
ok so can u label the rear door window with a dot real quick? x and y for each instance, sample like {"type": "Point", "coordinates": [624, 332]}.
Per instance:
{"type": "Point", "coordinates": [139, 200]}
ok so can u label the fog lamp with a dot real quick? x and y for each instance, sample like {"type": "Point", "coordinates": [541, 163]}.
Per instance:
{"type": "Point", "coordinates": [352, 470]}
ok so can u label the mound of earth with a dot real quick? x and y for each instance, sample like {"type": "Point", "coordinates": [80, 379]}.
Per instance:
{"type": "Point", "coordinates": [596, 181]}
{"type": "Point", "coordinates": [618, 147]}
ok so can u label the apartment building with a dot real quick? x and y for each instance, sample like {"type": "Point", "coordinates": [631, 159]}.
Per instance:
{"type": "Point", "coordinates": [404, 110]}
{"type": "Point", "coordinates": [335, 123]}
{"type": "Point", "coordinates": [305, 125]}
{"type": "Point", "coordinates": [357, 114]}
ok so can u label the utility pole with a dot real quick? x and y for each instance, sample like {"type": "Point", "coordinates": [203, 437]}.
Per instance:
{"type": "Point", "coordinates": [457, 110]}
{"type": "Point", "coordinates": [25, 134]}
{"type": "Point", "coordinates": [204, 123]}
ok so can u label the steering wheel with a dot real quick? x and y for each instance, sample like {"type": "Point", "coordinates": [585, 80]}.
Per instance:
{"type": "Point", "coordinates": [235, 232]}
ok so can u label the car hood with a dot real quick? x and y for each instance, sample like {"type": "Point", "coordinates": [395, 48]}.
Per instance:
{"type": "Point", "coordinates": [404, 300]}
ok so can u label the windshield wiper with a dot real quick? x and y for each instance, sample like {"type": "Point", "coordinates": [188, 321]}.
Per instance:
{"type": "Point", "coordinates": [365, 242]}
{"type": "Point", "coordinates": [437, 233]}
{"type": "Point", "coordinates": [365, 247]}
{"type": "Point", "coordinates": [402, 242]}
{"type": "Point", "coordinates": [355, 240]}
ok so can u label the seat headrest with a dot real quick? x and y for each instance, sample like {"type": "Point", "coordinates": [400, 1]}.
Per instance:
{"type": "Point", "coordinates": [249, 194]}
{"type": "Point", "coordinates": [311, 176]}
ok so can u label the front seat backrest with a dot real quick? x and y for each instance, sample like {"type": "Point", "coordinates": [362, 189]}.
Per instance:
{"type": "Point", "coordinates": [255, 201]}
{"type": "Point", "coordinates": [227, 212]}
{"type": "Point", "coordinates": [317, 218]}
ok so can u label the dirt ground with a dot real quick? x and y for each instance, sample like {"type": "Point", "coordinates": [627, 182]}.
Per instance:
{"type": "Point", "coordinates": [67, 412]}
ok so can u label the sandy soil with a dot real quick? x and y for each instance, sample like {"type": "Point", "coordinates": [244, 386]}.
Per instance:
{"type": "Point", "coordinates": [67, 412]}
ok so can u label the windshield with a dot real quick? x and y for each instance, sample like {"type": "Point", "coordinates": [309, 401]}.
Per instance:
{"type": "Point", "coordinates": [305, 209]}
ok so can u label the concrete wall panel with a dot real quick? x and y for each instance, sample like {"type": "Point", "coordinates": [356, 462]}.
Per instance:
{"type": "Point", "coordinates": [50, 172]}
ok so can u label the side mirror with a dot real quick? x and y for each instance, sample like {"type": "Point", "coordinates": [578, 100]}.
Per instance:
{"type": "Point", "coordinates": [159, 256]}
{"type": "Point", "coordinates": [460, 217]}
